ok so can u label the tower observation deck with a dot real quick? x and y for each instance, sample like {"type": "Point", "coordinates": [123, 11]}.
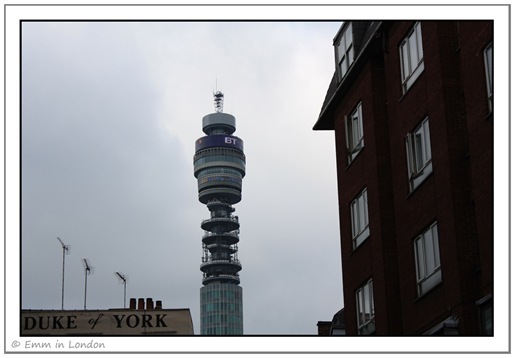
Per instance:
{"type": "Point", "coordinates": [219, 166]}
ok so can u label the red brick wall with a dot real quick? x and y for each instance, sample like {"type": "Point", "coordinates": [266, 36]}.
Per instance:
{"type": "Point", "coordinates": [458, 194]}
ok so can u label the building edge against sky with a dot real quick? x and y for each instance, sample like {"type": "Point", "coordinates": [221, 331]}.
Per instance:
{"type": "Point", "coordinates": [219, 166]}
{"type": "Point", "coordinates": [411, 105]}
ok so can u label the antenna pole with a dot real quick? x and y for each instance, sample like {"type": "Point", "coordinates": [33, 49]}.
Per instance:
{"type": "Point", "coordinates": [87, 271]}
{"type": "Point", "coordinates": [124, 279]}
{"type": "Point", "coordinates": [62, 283]}
{"type": "Point", "coordinates": [85, 287]}
{"type": "Point", "coordinates": [65, 250]}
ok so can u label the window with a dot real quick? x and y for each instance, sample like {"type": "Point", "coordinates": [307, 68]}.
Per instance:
{"type": "Point", "coordinates": [427, 260]}
{"type": "Point", "coordinates": [345, 51]}
{"type": "Point", "coordinates": [486, 317]}
{"type": "Point", "coordinates": [354, 128]}
{"type": "Point", "coordinates": [412, 57]}
{"type": "Point", "coordinates": [488, 53]}
{"type": "Point", "coordinates": [365, 309]}
{"type": "Point", "coordinates": [359, 219]}
{"type": "Point", "coordinates": [418, 152]}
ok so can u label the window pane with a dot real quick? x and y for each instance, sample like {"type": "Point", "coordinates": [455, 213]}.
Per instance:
{"type": "Point", "coordinates": [418, 33]}
{"type": "Point", "coordinates": [362, 214]}
{"type": "Point", "coordinates": [405, 61]}
{"type": "Point", "coordinates": [419, 158]}
{"type": "Point", "coordinates": [409, 158]}
{"type": "Point", "coordinates": [372, 298]}
{"type": "Point", "coordinates": [348, 133]}
{"type": "Point", "coordinates": [489, 67]}
{"type": "Point", "coordinates": [355, 130]}
{"type": "Point", "coordinates": [360, 122]}
{"type": "Point", "coordinates": [365, 206]}
{"type": "Point", "coordinates": [359, 305]}
{"type": "Point", "coordinates": [412, 44]}
{"type": "Point", "coordinates": [419, 248]}
{"type": "Point", "coordinates": [350, 54]}
{"type": "Point", "coordinates": [429, 252]}
{"type": "Point", "coordinates": [489, 75]}
{"type": "Point", "coordinates": [366, 303]}
{"type": "Point", "coordinates": [348, 36]}
{"type": "Point", "coordinates": [427, 141]}
{"type": "Point", "coordinates": [436, 245]}
{"type": "Point", "coordinates": [341, 49]}
{"type": "Point", "coordinates": [343, 67]}
{"type": "Point", "coordinates": [354, 214]}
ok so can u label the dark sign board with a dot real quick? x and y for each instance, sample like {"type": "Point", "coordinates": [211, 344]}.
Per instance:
{"type": "Point", "coordinates": [219, 140]}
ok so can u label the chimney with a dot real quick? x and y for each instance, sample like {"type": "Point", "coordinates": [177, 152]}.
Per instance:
{"type": "Point", "coordinates": [150, 304]}
{"type": "Point", "coordinates": [132, 304]}
{"type": "Point", "coordinates": [141, 303]}
{"type": "Point", "coordinates": [159, 305]}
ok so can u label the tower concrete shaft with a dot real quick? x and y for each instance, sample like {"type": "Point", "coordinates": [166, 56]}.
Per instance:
{"type": "Point", "coordinates": [219, 166]}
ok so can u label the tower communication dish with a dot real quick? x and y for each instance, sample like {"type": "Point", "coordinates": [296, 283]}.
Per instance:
{"type": "Point", "coordinates": [66, 251]}
{"type": "Point", "coordinates": [123, 278]}
{"type": "Point", "coordinates": [87, 271]}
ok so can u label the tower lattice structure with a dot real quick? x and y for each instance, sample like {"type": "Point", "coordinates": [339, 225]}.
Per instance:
{"type": "Point", "coordinates": [219, 166]}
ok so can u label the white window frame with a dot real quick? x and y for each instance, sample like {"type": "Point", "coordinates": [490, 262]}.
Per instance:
{"type": "Point", "coordinates": [345, 51]}
{"type": "Point", "coordinates": [365, 312]}
{"type": "Point", "coordinates": [488, 55]}
{"type": "Point", "coordinates": [359, 219]}
{"type": "Point", "coordinates": [427, 259]}
{"type": "Point", "coordinates": [412, 57]}
{"type": "Point", "coordinates": [418, 154]}
{"type": "Point", "coordinates": [354, 132]}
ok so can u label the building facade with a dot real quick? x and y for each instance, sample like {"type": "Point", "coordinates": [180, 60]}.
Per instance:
{"type": "Point", "coordinates": [411, 105]}
{"type": "Point", "coordinates": [219, 166]}
{"type": "Point", "coordinates": [141, 319]}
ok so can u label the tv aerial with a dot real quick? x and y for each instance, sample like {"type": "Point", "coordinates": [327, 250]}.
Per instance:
{"type": "Point", "coordinates": [88, 270]}
{"type": "Point", "coordinates": [123, 278]}
{"type": "Point", "coordinates": [66, 251]}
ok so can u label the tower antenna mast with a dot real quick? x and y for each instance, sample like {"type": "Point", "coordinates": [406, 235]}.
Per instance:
{"type": "Point", "coordinates": [219, 101]}
{"type": "Point", "coordinates": [87, 271]}
{"type": "Point", "coordinates": [124, 280]}
{"type": "Point", "coordinates": [66, 251]}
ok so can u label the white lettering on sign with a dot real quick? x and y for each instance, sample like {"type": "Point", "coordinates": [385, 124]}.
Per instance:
{"type": "Point", "coordinates": [230, 140]}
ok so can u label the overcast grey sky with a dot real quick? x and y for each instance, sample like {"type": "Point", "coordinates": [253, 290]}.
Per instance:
{"type": "Point", "coordinates": [110, 115]}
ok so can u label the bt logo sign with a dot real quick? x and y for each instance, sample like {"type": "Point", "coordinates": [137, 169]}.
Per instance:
{"type": "Point", "coordinates": [229, 140]}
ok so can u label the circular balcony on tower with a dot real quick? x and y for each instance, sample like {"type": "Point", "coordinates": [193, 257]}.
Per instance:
{"type": "Point", "coordinates": [226, 238]}
{"type": "Point", "coordinates": [229, 195]}
{"type": "Point", "coordinates": [234, 279]}
{"type": "Point", "coordinates": [221, 247]}
{"type": "Point", "coordinates": [215, 204]}
{"type": "Point", "coordinates": [221, 266]}
{"type": "Point", "coordinates": [218, 121]}
{"type": "Point", "coordinates": [229, 223]}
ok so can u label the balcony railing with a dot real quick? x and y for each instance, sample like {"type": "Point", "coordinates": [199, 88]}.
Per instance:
{"type": "Point", "coordinates": [233, 233]}
{"type": "Point", "coordinates": [221, 262]}
{"type": "Point", "coordinates": [232, 219]}
{"type": "Point", "coordinates": [208, 279]}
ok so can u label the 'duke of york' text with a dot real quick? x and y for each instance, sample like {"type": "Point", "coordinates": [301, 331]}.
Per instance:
{"type": "Point", "coordinates": [70, 322]}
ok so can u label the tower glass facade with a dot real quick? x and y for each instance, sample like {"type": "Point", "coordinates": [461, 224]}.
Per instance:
{"type": "Point", "coordinates": [219, 166]}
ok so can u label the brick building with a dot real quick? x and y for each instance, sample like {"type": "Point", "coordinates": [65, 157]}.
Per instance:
{"type": "Point", "coordinates": [411, 107]}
